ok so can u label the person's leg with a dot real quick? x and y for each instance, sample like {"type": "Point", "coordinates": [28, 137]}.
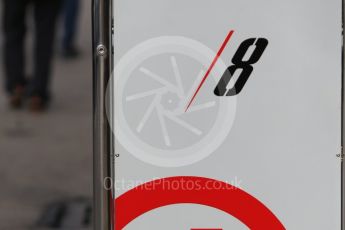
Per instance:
{"type": "Point", "coordinates": [71, 11]}
{"type": "Point", "coordinates": [14, 34]}
{"type": "Point", "coordinates": [45, 17]}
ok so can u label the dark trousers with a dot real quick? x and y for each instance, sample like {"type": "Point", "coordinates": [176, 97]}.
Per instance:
{"type": "Point", "coordinates": [45, 16]}
{"type": "Point", "coordinates": [70, 15]}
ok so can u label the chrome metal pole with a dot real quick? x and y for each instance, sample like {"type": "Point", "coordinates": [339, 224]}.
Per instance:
{"type": "Point", "coordinates": [343, 125]}
{"type": "Point", "coordinates": [102, 132]}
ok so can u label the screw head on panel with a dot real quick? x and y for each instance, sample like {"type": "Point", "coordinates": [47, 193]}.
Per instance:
{"type": "Point", "coordinates": [101, 50]}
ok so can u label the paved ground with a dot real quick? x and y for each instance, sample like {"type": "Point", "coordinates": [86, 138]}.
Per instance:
{"type": "Point", "coordinates": [48, 157]}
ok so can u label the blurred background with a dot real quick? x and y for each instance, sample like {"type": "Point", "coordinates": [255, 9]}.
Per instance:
{"type": "Point", "coordinates": [46, 155]}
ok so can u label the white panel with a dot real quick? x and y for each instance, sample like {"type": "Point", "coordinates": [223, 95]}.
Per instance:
{"type": "Point", "coordinates": [277, 139]}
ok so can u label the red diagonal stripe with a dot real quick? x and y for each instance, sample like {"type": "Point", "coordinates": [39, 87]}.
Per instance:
{"type": "Point", "coordinates": [227, 39]}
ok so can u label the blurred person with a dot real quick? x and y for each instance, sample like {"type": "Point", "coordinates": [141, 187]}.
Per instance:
{"type": "Point", "coordinates": [70, 21]}
{"type": "Point", "coordinates": [17, 85]}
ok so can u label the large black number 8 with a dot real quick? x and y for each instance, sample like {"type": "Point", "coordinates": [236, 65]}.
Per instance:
{"type": "Point", "coordinates": [239, 63]}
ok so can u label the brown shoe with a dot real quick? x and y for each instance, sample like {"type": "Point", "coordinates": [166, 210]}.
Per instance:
{"type": "Point", "coordinates": [37, 104]}
{"type": "Point", "coordinates": [16, 99]}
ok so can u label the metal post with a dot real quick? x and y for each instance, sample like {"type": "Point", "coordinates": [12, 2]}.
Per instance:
{"type": "Point", "coordinates": [343, 126]}
{"type": "Point", "coordinates": [102, 132]}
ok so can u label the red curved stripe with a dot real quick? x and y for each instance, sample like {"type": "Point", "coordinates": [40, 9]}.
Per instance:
{"type": "Point", "coordinates": [156, 194]}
